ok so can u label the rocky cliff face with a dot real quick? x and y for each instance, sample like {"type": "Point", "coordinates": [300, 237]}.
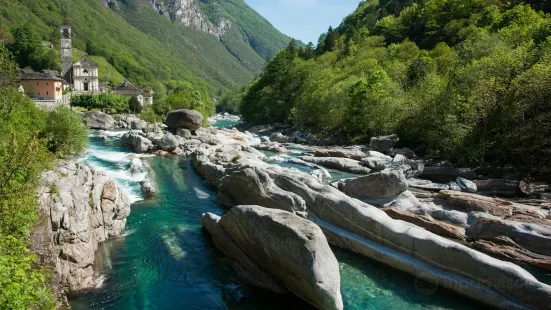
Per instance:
{"type": "Point", "coordinates": [187, 12]}
{"type": "Point", "coordinates": [79, 208]}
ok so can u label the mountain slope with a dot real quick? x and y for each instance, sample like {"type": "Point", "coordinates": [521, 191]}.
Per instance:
{"type": "Point", "coordinates": [142, 44]}
{"type": "Point", "coordinates": [463, 80]}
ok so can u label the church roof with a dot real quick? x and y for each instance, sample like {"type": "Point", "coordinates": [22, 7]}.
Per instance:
{"type": "Point", "coordinates": [28, 74]}
{"type": "Point", "coordinates": [88, 60]}
{"type": "Point", "coordinates": [126, 85]}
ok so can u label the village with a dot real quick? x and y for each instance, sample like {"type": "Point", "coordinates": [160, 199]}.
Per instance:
{"type": "Point", "coordinates": [50, 88]}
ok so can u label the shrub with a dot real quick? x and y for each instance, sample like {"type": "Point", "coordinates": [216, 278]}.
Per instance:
{"type": "Point", "coordinates": [109, 102]}
{"type": "Point", "coordinates": [65, 132]}
{"type": "Point", "coordinates": [23, 156]}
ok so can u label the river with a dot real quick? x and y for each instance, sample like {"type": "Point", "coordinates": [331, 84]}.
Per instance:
{"type": "Point", "coordinates": [166, 261]}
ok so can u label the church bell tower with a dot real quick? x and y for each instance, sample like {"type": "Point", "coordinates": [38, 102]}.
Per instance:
{"type": "Point", "coordinates": [66, 52]}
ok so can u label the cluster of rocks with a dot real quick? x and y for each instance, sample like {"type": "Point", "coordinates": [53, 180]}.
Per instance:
{"type": "Point", "coordinates": [419, 217]}
{"type": "Point", "coordinates": [79, 208]}
{"type": "Point", "coordinates": [170, 137]}
{"type": "Point", "coordinates": [395, 228]}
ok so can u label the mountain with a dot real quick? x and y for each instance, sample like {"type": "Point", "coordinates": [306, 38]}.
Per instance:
{"type": "Point", "coordinates": [460, 80]}
{"type": "Point", "coordinates": [215, 43]}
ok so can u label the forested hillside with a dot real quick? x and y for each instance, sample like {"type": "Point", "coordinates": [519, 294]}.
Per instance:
{"type": "Point", "coordinates": [145, 46]}
{"type": "Point", "coordinates": [466, 80]}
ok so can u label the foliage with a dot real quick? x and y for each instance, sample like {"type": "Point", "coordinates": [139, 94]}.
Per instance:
{"type": "Point", "coordinates": [135, 106]}
{"type": "Point", "coordinates": [30, 139]}
{"type": "Point", "coordinates": [65, 132]}
{"type": "Point", "coordinates": [183, 95]}
{"type": "Point", "coordinates": [23, 156]}
{"type": "Point", "coordinates": [22, 285]}
{"type": "Point", "coordinates": [466, 80]}
{"type": "Point", "coordinates": [8, 68]}
{"type": "Point", "coordinates": [230, 101]}
{"type": "Point", "coordinates": [150, 116]}
{"type": "Point", "coordinates": [29, 50]}
{"type": "Point", "coordinates": [106, 102]}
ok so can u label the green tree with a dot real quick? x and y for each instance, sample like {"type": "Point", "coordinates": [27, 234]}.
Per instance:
{"type": "Point", "coordinates": [65, 132]}
{"type": "Point", "coordinates": [30, 52]}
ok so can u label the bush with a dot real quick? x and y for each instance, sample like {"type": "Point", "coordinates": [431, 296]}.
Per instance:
{"type": "Point", "coordinates": [23, 156]}
{"type": "Point", "coordinates": [106, 102]}
{"type": "Point", "coordinates": [65, 132]}
{"type": "Point", "coordinates": [21, 284]}
{"type": "Point", "coordinates": [135, 106]}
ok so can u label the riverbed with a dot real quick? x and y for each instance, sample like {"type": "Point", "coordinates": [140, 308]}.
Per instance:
{"type": "Point", "coordinates": [166, 261]}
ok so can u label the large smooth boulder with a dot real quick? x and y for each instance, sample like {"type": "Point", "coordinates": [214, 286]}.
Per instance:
{"type": "Point", "coordinates": [428, 223]}
{"type": "Point", "coordinates": [535, 238]}
{"type": "Point", "coordinates": [441, 174]}
{"type": "Point", "coordinates": [188, 119]}
{"type": "Point", "coordinates": [98, 120]}
{"type": "Point", "coordinates": [497, 187]}
{"type": "Point", "coordinates": [184, 133]}
{"type": "Point", "coordinates": [254, 186]}
{"type": "Point", "coordinates": [376, 163]}
{"type": "Point", "coordinates": [476, 203]}
{"type": "Point", "coordinates": [279, 138]}
{"type": "Point", "coordinates": [272, 147]}
{"type": "Point", "coordinates": [136, 123]}
{"type": "Point", "coordinates": [168, 143]}
{"type": "Point", "coordinates": [383, 144]}
{"type": "Point", "coordinates": [138, 143]}
{"type": "Point", "coordinates": [355, 154]}
{"type": "Point", "coordinates": [383, 184]}
{"type": "Point", "coordinates": [343, 164]}
{"type": "Point", "coordinates": [275, 244]}
{"type": "Point", "coordinates": [427, 185]}
{"type": "Point", "coordinates": [466, 185]}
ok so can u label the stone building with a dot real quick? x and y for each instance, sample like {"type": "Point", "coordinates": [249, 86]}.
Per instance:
{"type": "Point", "coordinates": [144, 96]}
{"type": "Point", "coordinates": [42, 86]}
{"type": "Point", "coordinates": [82, 75]}
{"type": "Point", "coordinates": [85, 76]}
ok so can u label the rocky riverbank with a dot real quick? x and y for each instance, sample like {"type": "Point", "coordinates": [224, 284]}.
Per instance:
{"type": "Point", "coordinates": [79, 208]}
{"type": "Point", "coordinates": [427, 219]}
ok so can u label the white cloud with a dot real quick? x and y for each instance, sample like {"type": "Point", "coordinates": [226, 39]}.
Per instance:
{"type": "Point", "coordinates": [298, 4]}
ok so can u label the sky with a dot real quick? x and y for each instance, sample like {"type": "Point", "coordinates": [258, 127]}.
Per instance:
{"type": "Point", "coordinates": [305, 20]}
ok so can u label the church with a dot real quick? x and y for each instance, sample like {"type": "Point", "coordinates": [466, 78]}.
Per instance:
{"type": "Point", "coordinates": [85, 76]}
{"type": "Point", "coordinates": [82, 75]}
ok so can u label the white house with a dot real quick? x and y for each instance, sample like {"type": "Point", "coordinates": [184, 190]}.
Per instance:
{"type": "Point", "coordinates": [86, 76]}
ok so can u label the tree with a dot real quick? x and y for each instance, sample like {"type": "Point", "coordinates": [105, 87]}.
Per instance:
{"type": "Point", "coordinates": [331, 39]}
{"type": "Point", "coordinates": [65, 132]}
{"type": "Point", "coordinates": [29, 51]}
{"type": "Point", "coordinates": [135, 106]}
{"type": "Point", "coordinates": [8, 69]}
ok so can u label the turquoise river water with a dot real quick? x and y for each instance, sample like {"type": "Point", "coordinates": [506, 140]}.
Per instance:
{"type": "Point", "coordinates": [166, 261]}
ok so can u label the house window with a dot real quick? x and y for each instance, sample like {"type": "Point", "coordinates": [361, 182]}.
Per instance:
{"type": "Point", "coordinates": [37, 83]}
{"type": "Point", "coordinates": [46, 83]}
{"type": "Point", "coordinates": [47, 93]}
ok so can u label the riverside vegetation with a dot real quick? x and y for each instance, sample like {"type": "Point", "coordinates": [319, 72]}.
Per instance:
{"type": "Point", "coordinates": [30, 141]}
{"type": "Point", "coordinates": [463, 80]}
